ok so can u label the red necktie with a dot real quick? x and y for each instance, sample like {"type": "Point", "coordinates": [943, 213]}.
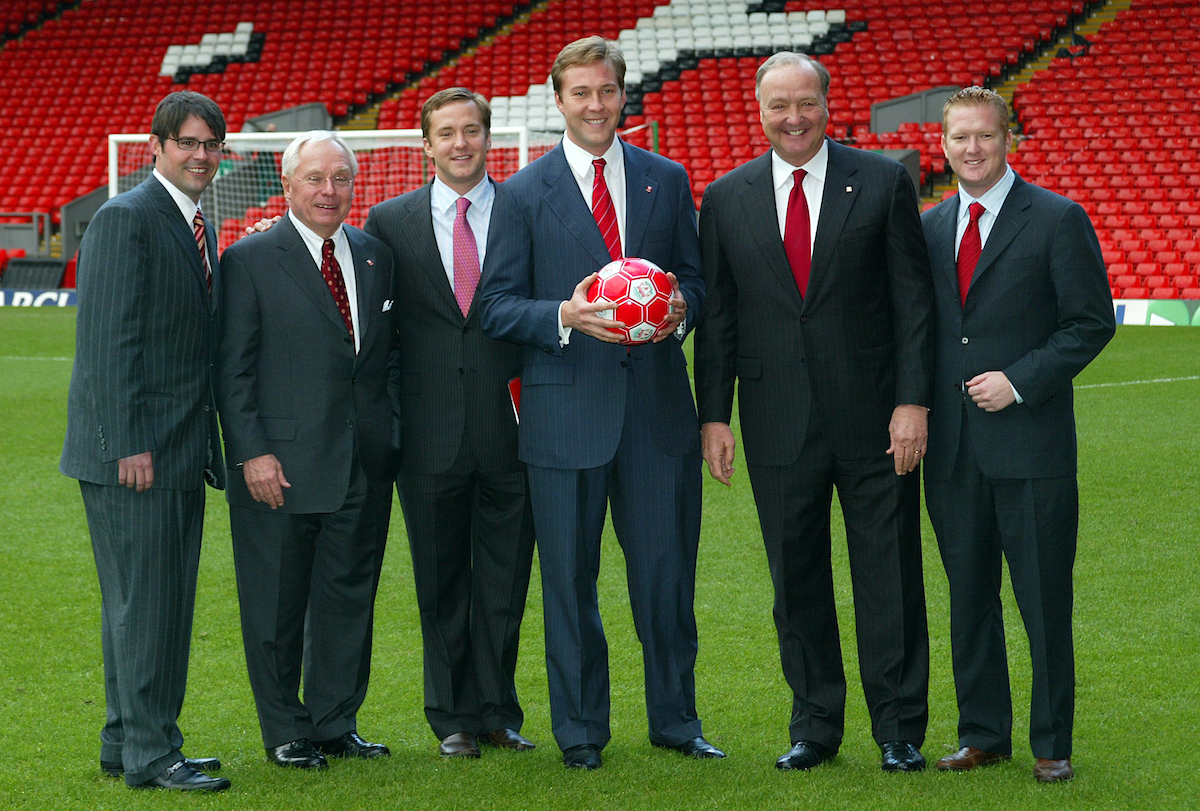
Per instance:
{"type": "Point", "coordinates": [796, 233]}
{"type": "Point", "coordinates": [202, 243]}
{"type": "Point", "coordinates": [466, 258]}
{"type": "Point", "coordinates": [968, 251]}
{"type": "Point", "coordinates": [604, 211]}
{"type": "Point", "coordinates": [332, 272]}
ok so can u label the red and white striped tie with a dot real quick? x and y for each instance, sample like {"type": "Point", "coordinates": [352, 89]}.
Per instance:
{"type": "Point", "coordinates": [202, 244]}
{"type": "Point", "coordinates": [605, 212]}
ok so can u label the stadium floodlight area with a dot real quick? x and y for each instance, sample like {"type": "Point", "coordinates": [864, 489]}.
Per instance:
{"type": "Point", "coordinates": [247, 187]}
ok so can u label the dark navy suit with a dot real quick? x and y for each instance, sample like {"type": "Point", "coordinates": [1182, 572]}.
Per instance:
{"type": "Point", "coordinates": [603, 422]}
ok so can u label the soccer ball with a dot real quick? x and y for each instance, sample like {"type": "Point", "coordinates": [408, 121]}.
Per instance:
{"type": "Point", "coordinates": [639, 291]}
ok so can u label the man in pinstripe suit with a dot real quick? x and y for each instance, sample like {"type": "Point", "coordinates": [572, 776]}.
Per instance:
{"type": "Point", "coordinates": [142, 436]}
{"type": "Point", "coordinates": [600, 422]}
{"type": "Point", "coordinates": [461, 486]}
{"type": "Point", "coordinates": [1014, 329]}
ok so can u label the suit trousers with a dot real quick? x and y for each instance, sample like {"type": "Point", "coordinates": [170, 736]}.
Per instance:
{"type": "Point", "coordinates": [1033, 523]}
{"type": "Point", "coordinates": [883, 535]}
{"type": "Point", "coordinates": [471, 536]}
{"type": "Point", "coordinates": [655, 502]}
{"type": "Point", "coordinates": [147, 549]}
{"type": "Point", "coordinates": [306, 588]}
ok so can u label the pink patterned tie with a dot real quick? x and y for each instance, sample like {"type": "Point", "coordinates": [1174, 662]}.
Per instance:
{"type": "Point", "coordinates": [332, 272]}
{"type": "Point", "coordinates": [202, 244]}
{"type": "Point", "coordinates": [968, 251]}
{"type": "Point", "coordinates": [605, 212]}
{"type": "Point", "coordinates": [466, 258]}
{"type": "Point", "coordinates": [796, 233]}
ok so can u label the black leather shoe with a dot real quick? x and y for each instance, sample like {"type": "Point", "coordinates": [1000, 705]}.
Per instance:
{"type": "Point", "coordinates": [902, 756]}
{"type": "Point", "coordinates": [460, 744]}
{"type": "Point", "coordinates": [584, 756]}
{"type": "Point", "coordinates": [351, 745]}
{"type": "Point", "coordinates": [182, 777]}
{"type": "Point", "coordinates": [507, 738]}
{"type": "Point", "coordinates": [697, 747]}
{"type": "Point", "coordinates": [301, 754]}
{"type": "Point", "coordinates": [804, 755]}
{"type": "Point", "coordinates": [114, 768]}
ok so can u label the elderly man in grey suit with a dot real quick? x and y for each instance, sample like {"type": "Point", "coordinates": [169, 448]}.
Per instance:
{"type": "Point", "coordinates": [142, 436]}
{"type": "Point", "coordinates": [1023, 306]}
{"type": "Point", "coordinates": [820, 306]}
{"type": "Point", "coordinates": [307, 388]}
{"type": "Point", "coordinates": [461, 485]}
{"type": "Point", "coordinates": [602, 422]}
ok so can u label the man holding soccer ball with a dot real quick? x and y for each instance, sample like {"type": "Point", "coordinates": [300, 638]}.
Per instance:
{"type": "Point", "coordinates": [598, 416]}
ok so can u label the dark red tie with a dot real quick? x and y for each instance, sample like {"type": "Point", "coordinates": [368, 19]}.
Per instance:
{"type": "Point", "coordinates": [202, 244]}
{"type": "Point", "coordinates": [332, 272]}
{"type": "Point", "coordinates": [968, 251]}
{"type": "Point", "coordinates": [605, 212]}
{"type": "Point", "coordinates": [796, 233]}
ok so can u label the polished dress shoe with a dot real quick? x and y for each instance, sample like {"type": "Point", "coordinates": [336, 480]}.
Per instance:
{"type": "Point", "coordinates": [460, 744]}
{"type": "Point", "coordinates": [1053, 771]}
{"type": "Point", "coordinates": [182, 777]}
{"type": "Point", "coordinates": [584, 756]}
{"type": "Point", "coordinates": [300, 754]}
{"type": "Point", "coordinates": [969, 758]}
{"type": "Point", "coordinates": [697, 747]}
{"type": "Point", "coordinates": [507, 738]}
{"type": "Point", "coordinates": [902, 756]}
{"type": "Point", "coordinates": [351, 745]}
{"type": "Point", "coordinates": [804, 755]}
{"type": "Point", "coordinates": [114, 768]}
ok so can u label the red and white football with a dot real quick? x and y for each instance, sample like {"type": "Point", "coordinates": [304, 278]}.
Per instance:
{"type": "Point", "coordinates": [639, 291]}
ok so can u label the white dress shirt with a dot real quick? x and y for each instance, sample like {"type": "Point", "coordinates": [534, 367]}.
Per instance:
{"type": "Point", "coordinates": [814, 188]}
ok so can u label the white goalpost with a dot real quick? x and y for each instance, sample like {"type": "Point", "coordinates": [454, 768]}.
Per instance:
{"type": "Point", "coordinates": [247, 187]}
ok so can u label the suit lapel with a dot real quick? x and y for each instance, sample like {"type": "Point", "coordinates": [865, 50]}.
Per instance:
{"type": "Point", "coordinates": [841, 190]}
{"type": "Point", "coordinates": [1013, 217]}
{"type": "Point", "coordinates": [417, 227]}
{"type": "Point", "coordinates": [297, 263]}
{"type": "Point", "coordinates": [366, 275]}
{"type": "Point", "coordinates": [640, 191]}
{"type": "Point", "coordinates": [943, 228]}
{"type": "Point", "coordinates": [182, 231]}
{"type": "Point", "coordinates": [564, 199]}
{"type": "Point", "coordinates": [757, 202]}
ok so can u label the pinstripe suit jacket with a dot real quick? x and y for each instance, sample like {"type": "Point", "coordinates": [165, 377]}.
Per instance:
{"type": "Point", "coordinates": [1039, 310]}
{"type": "Point", "coordinates": [573, 398]}
{"type": "Point", "coordinates": [145, 336]}
{"type": "Point", "coordinates": [453, 386]}
{"type": "Point", "coordinates": [289, 382]}
{"type": "Point", "coordinates": [857, 345]}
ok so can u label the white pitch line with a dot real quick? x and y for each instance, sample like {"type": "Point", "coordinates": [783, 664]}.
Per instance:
{"type": "Point", "coordinates": [1137, 382]}
{"type": "Point", "coordinates": [19, 357]}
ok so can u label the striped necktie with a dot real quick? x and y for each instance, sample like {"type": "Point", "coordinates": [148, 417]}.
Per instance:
{"type": "Point", "coordinates": [605, 212]}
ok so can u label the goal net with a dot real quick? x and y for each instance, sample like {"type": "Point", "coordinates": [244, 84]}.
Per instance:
{"type": "Point", "coordinates": [247, 187]}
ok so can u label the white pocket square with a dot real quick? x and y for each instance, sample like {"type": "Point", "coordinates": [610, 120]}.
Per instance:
{"type": "Point", "coordinates": [387, 305]}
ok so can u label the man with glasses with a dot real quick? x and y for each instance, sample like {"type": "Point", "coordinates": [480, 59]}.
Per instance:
{"type": "Point", "coordinates": [306, 383]}
{"type": "Point", "coordinates": [142, 436]}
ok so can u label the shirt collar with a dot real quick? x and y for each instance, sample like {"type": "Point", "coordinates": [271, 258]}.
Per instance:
{"type": "Point", "coordinates": [314, 240]}
{"type": "Point", "coordinates": [187, 206]}
{"type": "Point", "coordinates": [992, 200]}
{"type": "Point", "coordinates": [818, 164]}
{"type": "Point", "coordinates": [580, 160]}
{"type": "Point", "coordinates": [444, 198]}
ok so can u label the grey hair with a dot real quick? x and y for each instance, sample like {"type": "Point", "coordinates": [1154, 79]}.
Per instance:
{"type": "Point", "coordinates": [799, 60]}
{"type": "Point", "coordinates": [291, 155]}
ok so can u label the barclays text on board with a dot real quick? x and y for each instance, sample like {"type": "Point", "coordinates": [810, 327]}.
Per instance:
{"type": "Point", "coordinates": [37, 298]}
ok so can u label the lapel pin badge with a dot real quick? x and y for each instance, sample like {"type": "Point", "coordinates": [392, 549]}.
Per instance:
{"type": "Point", "coordinates": [371, 262]}
{"type": "Point", "coordinates": [849, 189]}
{"type": "Point", "coordinates": [649, 189]}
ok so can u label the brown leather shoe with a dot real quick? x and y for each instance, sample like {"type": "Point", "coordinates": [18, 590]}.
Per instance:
{"type": "Point", "coordinates": [509, 739]}
{"type": "Point", "coordinates": [460, 744]}
{"type": "Point", "coordinates": [969, 758]}
{"type": "Point", "coordinates": [1053, 771]}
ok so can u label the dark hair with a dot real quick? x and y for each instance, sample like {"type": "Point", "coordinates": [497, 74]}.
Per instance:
{"type": "Point", "coordinates": [176, 108]}
{"type": "Point", "coordinates": [449, 95]}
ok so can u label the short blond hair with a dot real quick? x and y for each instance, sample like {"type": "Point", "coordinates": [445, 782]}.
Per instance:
{"type": "Point", "coordinates": [976, 96]}
{"type": "Point", "coordinates": [587, 51]}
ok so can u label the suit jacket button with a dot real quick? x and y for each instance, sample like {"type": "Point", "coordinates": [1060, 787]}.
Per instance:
{"type": "Point", "coordinates": [804, 319]}
{"type": "Point", "coordinates": [964, 340]}
{"type": "Point", "coordinates": [349, 423]}
{"type": "Point", "coordinates": [208, 408]}
{"type": "Point", "coordinates": [348, 340]}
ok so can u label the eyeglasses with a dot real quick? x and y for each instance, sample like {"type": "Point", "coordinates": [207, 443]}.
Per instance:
{"type": "Point", "coordinates": [319, 181]}
{"type": "Point", "coordinates": [191, 144]}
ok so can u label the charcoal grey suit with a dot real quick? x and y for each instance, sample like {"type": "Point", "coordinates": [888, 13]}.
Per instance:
{"type": "Point", "coordinates": [141, 381]}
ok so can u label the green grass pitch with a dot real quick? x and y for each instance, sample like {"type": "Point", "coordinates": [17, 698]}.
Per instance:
{"type": "Point", "coordinates": [1138, 651]}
